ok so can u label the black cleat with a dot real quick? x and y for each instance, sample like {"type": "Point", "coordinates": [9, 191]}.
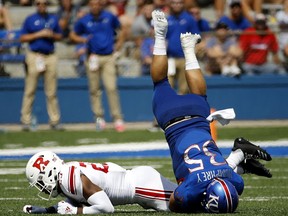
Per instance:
{"type": "Point", "coordinates": [255, 167]}
{"type": "Point", "coordinates": [250, 150]}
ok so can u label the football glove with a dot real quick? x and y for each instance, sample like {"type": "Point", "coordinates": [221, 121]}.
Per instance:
{"type": "Point", "coordinates": [34, 209]}
{"type": "Point", "coordinates": [66, 208]}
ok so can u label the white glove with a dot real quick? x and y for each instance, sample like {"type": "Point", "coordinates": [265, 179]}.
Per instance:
{"type": "Point", "coordinates": [34, 209]}
{"type": "Point", "coordinates": [66, 208]}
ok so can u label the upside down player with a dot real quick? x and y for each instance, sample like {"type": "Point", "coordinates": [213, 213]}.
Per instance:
{"type": "Point", "coordinates": [206, 182]}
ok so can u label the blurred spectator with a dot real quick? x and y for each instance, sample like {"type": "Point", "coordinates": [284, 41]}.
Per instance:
{"type": "Point", "coordinates": [26, 2]}
{"type": "Point", "coordinates": [67, 14]}
{"type": "Point", "coordinates": [236, 21]}
{"type": "Point", "coordinates": [219, 5]}
{"type": "Point", "coordinates": [146, 55]}
{"type": "Point", "coordinates": [5, 28]}
{"type": "Point", "coordinates": [223, 53]}
{"type": "Point", "coordinates": [41, 30]}
{"type": "Point", "coordinates": [120, 6]}
{"type": "Point", "coordinates": [257, 42]}
{"type": "Point", "coordinates": [253, 7]}
{"type": "Point", "coordinates": [142, 32]}
{"type": "Point", "coordinates": [161, 5]}
{"type": "Point", "coordinates": [282, 19]}
{"type": "Point", "coordinates": [202, 23]}
{"type": "Point", "coordinates": [204, 28]}
{"type": "Point", "coordinates": [139, 6]}
{"type": "Point", "coordinates": [141, 26]}
{"type": "Point", "coordinates": [100, 26]}
{"type": "Point", "coordinates": [179, 21]}
{"type": "Point", "coordinates": [5, 19]}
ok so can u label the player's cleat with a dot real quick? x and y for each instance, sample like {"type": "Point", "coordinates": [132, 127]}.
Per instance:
{"type": "Point", "coordinates": [160, 23]}
{"type": "Point", "coordinates": [250, 150]}
{"type": "Point", "coordinates": [255, 167]}
{"type": "Point", "coordinates": [189, 40]}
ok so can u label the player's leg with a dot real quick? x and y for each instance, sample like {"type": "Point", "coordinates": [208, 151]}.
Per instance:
{"type": "Point", "coordinates": [194, 76]}
{"type": "Point", "coordinates": [159, 66]}
{"type": "Point", "coordinates": [152, 190]}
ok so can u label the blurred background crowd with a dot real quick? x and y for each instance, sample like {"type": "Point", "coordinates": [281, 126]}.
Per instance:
{"type": "Point", "coordinates": [238, 37]}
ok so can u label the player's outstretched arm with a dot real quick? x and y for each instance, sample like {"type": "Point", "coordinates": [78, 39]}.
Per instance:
{"type": "Point", "coordinates": [159, 66]}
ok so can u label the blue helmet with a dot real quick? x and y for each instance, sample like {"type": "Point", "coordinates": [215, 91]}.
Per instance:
{"type": "Point", "coordinates": [221, 197]}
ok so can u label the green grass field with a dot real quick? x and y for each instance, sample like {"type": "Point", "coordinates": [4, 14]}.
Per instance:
{"type": "Point", "coordinates": [262, 196]}
{"type": "Point", "coordinates": [71, 138]}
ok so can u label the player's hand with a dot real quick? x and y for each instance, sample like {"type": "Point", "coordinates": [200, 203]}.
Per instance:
{"type": "Point", "coordinates": [66, 208]}
{"type": "Point", "coordinates": [34, 209]}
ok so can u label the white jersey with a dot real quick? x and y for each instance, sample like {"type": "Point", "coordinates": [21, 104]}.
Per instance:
{"type": "Point", "coordinates": [143, 185]}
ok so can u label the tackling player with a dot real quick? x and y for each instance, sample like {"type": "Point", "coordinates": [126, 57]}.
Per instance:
{"type": "Point", "coordinates": [206, 181]}
{"type": "Point", "coordinates": [93, 188]}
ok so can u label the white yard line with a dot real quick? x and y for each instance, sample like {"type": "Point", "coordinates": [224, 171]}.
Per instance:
{"type": "Point", "coordinates": [123, 147]}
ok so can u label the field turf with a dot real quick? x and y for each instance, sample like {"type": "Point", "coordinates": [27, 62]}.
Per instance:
{"type": "Point", "coordinates": [262, 196]}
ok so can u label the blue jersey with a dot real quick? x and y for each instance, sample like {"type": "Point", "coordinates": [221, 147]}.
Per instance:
{"type": "Point", "coordinates": [240, 24]}
{"type": "Point", "coordinates": [195, 157]}
{"type": "Point", "coordinates": [101, 32]}
{"type": "Point", "coordinates": [37, 22]}
{"type": "Point", "coordinates": [203, 25]}
{"type": "Point", "coordinates": [182, 23]}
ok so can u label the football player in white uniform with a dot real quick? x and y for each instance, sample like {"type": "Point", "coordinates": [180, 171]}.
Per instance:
{"type": "Point", "coordinates": [93, 188]}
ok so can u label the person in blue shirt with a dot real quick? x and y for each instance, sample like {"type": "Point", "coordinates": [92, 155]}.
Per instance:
{"type": "Point", "coordinates": [179, 21]}
{"type": "Point", "coordinates": [236, 21]}
{"type": "Point", "coordinates": [206, 183]}
{"type": "Point", "coordinates": [202, 23]}
{"type": "Point", "coordinates": [103, 38]}
{"type": "Point", "coordinates": [146, 55]}
{"type": "Point", "coordinates": [41, 30]}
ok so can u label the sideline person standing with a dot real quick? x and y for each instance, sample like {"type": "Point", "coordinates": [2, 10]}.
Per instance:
{"type": "Point", "coordinates": [41, 30]}
{"type": "Point", "coordinates": [100, 26]}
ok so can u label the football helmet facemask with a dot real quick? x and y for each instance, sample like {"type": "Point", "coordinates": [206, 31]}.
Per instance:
{"type": "Point", "coordinates": [221, 197]}
{"type": "Point", "coordinates": [42, 172]}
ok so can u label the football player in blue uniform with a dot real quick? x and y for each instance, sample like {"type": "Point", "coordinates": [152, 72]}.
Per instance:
{"type": "Point", "coordinates": [206, 181]}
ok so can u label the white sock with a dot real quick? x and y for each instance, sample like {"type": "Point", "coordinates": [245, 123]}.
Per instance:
{"type": "Point", "coordinates": [191, 60]}
{"type": "Point", "coordinates": [235, 158]}
{"type": "Point", "coordinates": [159, 46]}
